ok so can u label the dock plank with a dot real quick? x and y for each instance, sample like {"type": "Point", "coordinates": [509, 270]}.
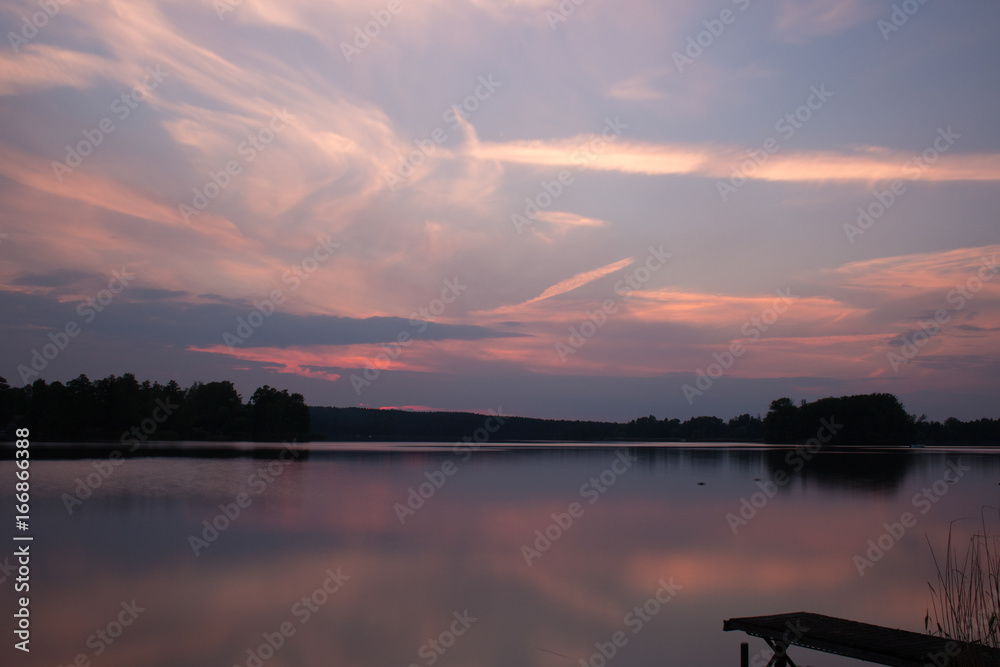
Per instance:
{"type": "Point", "coordinates": [862, 641]}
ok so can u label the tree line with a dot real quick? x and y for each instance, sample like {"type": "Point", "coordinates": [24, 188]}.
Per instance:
{"type": "Point", "coordinates": [121, 408]}
{"type": "Point", "coordinates": [872, 419]}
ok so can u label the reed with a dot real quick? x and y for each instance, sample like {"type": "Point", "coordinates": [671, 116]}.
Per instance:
{"type": "Point", "coordinates": [965, 602]}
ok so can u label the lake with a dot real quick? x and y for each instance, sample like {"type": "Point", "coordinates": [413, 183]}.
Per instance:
{"type": "Point", "coordinates": [403, 554]}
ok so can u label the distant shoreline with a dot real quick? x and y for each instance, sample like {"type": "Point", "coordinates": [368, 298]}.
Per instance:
{"type": "Point", "coordinates": [241, 449]}
{"type": "Point", "coordinates": [121, 410]}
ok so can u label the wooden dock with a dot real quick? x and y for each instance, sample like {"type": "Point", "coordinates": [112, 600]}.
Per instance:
{"type": "Point", "coordinates": [862, 641]}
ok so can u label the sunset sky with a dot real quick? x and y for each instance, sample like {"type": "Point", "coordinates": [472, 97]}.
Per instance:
{"type": "Point", "coordinates": [548, 209]}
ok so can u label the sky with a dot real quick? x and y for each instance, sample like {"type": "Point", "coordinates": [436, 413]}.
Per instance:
{"type": "Point", "coordinates": [576, 209]}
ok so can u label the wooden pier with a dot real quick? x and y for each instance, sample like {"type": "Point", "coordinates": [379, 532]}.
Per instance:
{"type": "Point", "coordinates": [861, 641]}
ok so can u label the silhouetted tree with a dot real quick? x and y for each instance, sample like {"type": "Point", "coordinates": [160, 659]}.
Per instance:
{"type": "Point", "coordinates": [869, 419]}
{"type": "Point", "coordinates": [277, 414]}
{"type": "Point", "coordinates": [213, 410]}
{"type": "Point", "coordinates": [781, 422]}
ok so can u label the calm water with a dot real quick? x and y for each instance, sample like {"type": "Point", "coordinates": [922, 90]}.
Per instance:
{"type": "Point", "coordinates": [319, 551]}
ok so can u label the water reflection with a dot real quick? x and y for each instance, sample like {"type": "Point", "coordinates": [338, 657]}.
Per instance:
{"type": "Point", "coordinates": [663, 520]}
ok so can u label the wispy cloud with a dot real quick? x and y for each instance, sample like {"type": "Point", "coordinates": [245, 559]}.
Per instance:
{"type": "Point", "coordinates": [578, 280]}
{"type": "Point", "coordinates": [713, 161]}
{"type": "Point", "coordinates": [638, 88]}
{"type": "Point", "coordinates": [800, 20]}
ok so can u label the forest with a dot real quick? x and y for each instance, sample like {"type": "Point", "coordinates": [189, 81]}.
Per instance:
{"type": "Point", "coordinates": [871, 419]}
{"type": "Point", "coordinates": [120, 408]}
